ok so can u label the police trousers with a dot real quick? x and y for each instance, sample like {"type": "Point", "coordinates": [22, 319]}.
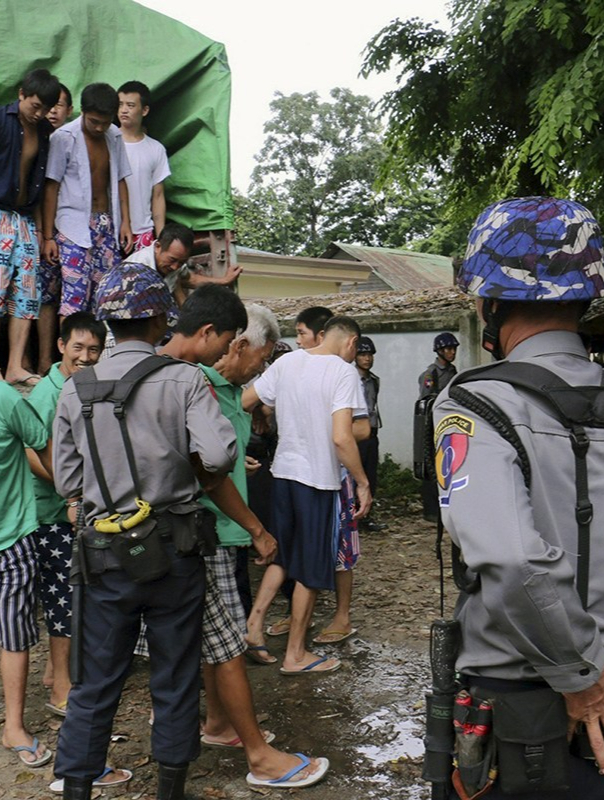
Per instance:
{"type": "Point", "coordinates": [172, 607]}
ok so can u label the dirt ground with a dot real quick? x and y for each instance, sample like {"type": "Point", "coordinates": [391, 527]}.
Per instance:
{"type": "Point", "coordinates": [367, 718]}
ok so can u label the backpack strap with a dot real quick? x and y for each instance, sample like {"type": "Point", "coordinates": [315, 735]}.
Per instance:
{"type": "Point", "coordinates": [575, 407]}
{"type": "Point", "coordinates": [90, 391]}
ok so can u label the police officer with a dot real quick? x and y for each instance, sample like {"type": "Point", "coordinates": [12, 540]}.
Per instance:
{"type": "Point", "coordinates": [434, 379]}
{"type": "Point", "coordinates": [534, 265]}
{"type": "Point", "coordinates": [171, 418]}
{"type": "Point", "coordinates": [369, 448]}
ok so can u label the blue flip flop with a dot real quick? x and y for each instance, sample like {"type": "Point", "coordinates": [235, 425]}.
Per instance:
{"type": "Point", "coordinates": [286, 780]}
{"type": "Point", "coordinates": [310, 668]}
{"type": "Point", "coordinates": [38, 762]}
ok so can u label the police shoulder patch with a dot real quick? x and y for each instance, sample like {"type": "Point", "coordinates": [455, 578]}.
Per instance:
{"type": "Point", "coordinates": [454, 422]}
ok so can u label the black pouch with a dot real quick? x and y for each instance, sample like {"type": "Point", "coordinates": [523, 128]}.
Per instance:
{"type": "Point", "coordinates": [96, 552]}
{"type": "Point", "coordinates": [141, 553]}
{"type": "Point", "coordinates": [206, 531]}
{"type": "Point", "coordinates": [530, 737]}
{"type": "Point", "coordinates": [182, 519]}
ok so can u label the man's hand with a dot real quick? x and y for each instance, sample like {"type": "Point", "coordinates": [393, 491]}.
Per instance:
{"type": "Point", "coordinates": [364, 499]}
{"type": "Point", "coordinates": [231, 275]}
{"type": "Point", "coordinates": [266, 545]}
{"type": "Point", "coordinates": [252, 465]}
{"type": "Point", "coordinates": [587, 706]}
{"type": "Point", "coordinates": [50, 251]}
{"type": "Point", "coordinates": [126, 239]}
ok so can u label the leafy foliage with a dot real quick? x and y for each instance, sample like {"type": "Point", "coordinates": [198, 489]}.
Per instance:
{"type": "Point", "coordinates": [510, 102]}
{"type": "Point", "coordinates": [395, 483]}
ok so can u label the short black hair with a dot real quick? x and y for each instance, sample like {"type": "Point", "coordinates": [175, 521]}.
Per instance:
{"type": "Point", "coordinates": [99, 97]}
{"type": "Point", "coordinates": [211, 304]}
{"type": "Point", "coordinates": [132, 87]}
{"type": "Point", "coordinates": [314, 318]}
{"type": "Point", "coordinates": [67, 93]}
{"type": "Point", "coordinates": [173, 232]}
{"type": "Point", "coordinates": [43, 84]}
{"type": "Point", "coordinates": [346, 324]}
{"type": "Point", "coordinates": [83, 321]}
{"type": "Point", "coordinates": [130, 328]}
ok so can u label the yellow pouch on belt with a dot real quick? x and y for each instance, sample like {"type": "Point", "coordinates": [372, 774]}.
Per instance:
{"type": "Point", "coordinates": [117, 523]}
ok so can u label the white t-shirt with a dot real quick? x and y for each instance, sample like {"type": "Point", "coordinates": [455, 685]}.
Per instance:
{"type": "Point", "coordinates": [146, 256]}
{"type": "Point", "coordinates": [149, 165]}
{"type": "Point", "coordinates": [306, 389]}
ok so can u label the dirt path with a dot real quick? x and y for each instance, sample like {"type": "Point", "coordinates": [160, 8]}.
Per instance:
{"type": "Point", "coordinates": [366, 718]}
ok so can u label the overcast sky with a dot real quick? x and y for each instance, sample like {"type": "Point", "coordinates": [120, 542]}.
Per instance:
{"type": "Point", "coordinates": [276, 45]}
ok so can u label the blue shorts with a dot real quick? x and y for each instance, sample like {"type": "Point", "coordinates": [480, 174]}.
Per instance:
{"type": "Point", "coordinates": [54, 544]}
{"type": "Point", "coordinates": [19, 261]}
{"type": "Point", "coordinates": [306, 526]}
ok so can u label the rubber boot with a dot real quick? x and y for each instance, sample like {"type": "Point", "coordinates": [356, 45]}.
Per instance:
{"type": "Point", "coordinates": [171, 782]}
{"type": "Point", "coordinates": [76, 789]}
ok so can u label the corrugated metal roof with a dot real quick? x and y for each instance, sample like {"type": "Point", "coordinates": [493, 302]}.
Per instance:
{"type": "Point", "coordinates": [400, 269]}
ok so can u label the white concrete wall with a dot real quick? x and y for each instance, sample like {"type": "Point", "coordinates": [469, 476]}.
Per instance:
{"type": "Point", "coordinates": [399, 360]}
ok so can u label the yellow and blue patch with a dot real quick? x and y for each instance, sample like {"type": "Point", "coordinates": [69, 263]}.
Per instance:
{"type": "Point", "coordinates": [452, 438]}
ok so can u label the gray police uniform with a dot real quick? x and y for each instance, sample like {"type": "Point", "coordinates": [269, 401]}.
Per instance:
{"type": "Point", "coordinates": [434, 379]}
{"type": "Point", "coordinates": [526, 623]}
{"type": "Point", "coordinates": [170, 416]}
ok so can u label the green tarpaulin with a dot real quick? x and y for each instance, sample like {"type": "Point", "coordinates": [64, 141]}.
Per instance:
{"type": "Point", "coordinates": [119, 40]}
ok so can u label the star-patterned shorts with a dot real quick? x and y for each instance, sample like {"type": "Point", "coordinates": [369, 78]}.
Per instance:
{"type": "Point", "coordinates": [18, 617]}
{"type": "Point", "coordinates": [54, 544]}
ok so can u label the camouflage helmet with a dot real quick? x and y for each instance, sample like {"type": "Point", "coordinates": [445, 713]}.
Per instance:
{"type": "Point", "coordinates": [534, 248]}
{"type": "Point", "coordinates": [132, 291]}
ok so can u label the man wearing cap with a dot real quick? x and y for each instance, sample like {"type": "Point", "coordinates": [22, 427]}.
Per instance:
{"type": "Point", "coordinates": [434, 379]}
{"type": "Point", "coordinates": [178, 437]}
{"type": "Point", "coordinates": [531, 643]}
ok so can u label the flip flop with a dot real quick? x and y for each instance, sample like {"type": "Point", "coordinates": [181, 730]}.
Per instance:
{"type": "Point", "coordinates": [38, 762]}
{"type": "Point", "coordinates": [236, 743]}
{"type": "Point", "coordinates": [340, 636]}
{"type": "Point", "coordinates": [254, 650]}
{"type": "Point", "coordinates": [310, 668]}
{"type": "Point", "coordinates": [286, 780]}
{"type": "Point", "coordinates": [57, 786]}
{"type": "Point", "coordinates": [281, 627]}
{"type": "Point", "coordinates": [60, 709]}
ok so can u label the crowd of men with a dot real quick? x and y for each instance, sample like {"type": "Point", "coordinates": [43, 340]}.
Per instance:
{"type": "Point", "coordinates": [138, 436]}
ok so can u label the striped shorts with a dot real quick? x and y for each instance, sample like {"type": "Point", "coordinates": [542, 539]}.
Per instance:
{"type": "Point", "coordinates": [18, 607]}
{"type": "Point", "coordinates": [223, 565]}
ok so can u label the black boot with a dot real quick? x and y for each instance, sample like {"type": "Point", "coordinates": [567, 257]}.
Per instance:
{"type": "Point", "coordinates": [171, 782]}
{"type": "Point", "coordinates": [76, 789]}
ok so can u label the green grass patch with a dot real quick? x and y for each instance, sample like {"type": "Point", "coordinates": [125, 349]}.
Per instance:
{"type": "Point", "coordinates": [395, 483]}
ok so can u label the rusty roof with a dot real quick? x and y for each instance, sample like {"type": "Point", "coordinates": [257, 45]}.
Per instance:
{"type": "Point", "coordinates": [402, 270]}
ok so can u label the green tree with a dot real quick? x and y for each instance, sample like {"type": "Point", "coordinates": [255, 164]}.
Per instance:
{"type": "Point", "coordinates": [319, 161]}
{"type": "Point", "coordinates": [509, 102]}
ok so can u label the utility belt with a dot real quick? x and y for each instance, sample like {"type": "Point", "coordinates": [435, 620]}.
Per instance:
{"type": "Point", "coordinates": [141, 550]}
{"type": "Point", "coordinates": [510, 731]}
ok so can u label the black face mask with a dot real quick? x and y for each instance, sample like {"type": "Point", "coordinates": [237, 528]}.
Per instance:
{"type": "Point", "coordinates": [494, 320]}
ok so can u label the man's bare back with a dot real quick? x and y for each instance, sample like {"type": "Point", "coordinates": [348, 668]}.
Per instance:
{"type": "Point", "coordinates": [98, 156]}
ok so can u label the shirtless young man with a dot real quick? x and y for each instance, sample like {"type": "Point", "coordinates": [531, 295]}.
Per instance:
{"type": "Point", "coordinates": [86, 211]}
{"type": "Point", "coordinates": [24, 136]}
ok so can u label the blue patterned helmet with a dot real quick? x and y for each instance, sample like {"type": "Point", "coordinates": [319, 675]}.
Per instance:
{"type": "Point", "coordinates": [444, 339]}
{"type": "Point", "coordinates": [132, 291]}
{"type": "Point", "coordinates": [534, 248]}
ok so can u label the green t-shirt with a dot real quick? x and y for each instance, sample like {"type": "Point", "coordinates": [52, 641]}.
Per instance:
{"type": "Point", "coordinates": [229, 397]}
{"type": "Point", "coordinates": [20, 427]}
{"type": "Point", "coordinates": [44, 398]}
